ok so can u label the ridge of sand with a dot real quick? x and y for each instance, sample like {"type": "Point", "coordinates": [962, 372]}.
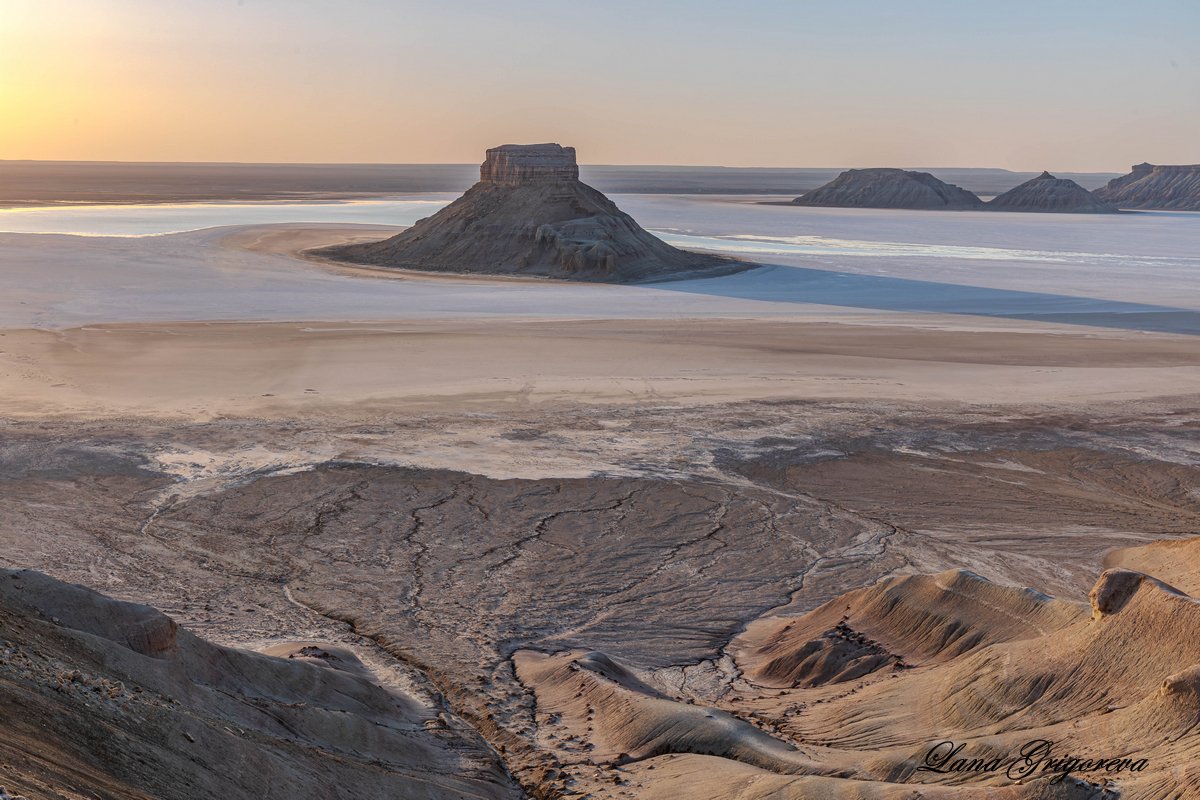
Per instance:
{"type": "Point", "coordinates": [957, 660]}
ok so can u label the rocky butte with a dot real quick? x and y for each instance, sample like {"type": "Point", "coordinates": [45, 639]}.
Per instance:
{"type": "Point", "coordinates": [1155, 186]}
{"type": "Point", "coordinates": [889, 188]}
{"type": "Point", "coordinates": [530, 215]}
{"type": "Point", "coordinates": [1048, 193]}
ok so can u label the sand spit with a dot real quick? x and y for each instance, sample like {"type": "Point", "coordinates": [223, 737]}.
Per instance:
{"type": "Point", "coordinates": [530, 215]}
{"type": "Point", "coordinates": [890, 188]}
{"type": "Point", "coordinates": [1047, 193]}
{"type": "Point", "coordinates": [1155, 186]}
{"type": "Point", "coordinates": [937, 617]}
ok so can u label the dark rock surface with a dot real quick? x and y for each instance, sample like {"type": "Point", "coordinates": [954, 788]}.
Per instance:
{"type": "Point", "coordinates": [889, 188]}
{"type": "Point", "coordinates": [1155, 186]}
{"type": "Point", "coordinates": [1048, 193]}
{"type": "Point", "coordinates": [530, 215]}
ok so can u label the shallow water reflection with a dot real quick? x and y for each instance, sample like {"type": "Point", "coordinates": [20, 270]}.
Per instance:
{"type": "Point", "coordinates": [155, 220]}
{"type": "Point", "coordinates": [822, 246]}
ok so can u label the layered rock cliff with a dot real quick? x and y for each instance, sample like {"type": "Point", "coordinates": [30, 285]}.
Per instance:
{"type": "Point", "coordinates": [530, 215]}
{"type": "Point", "coordinates": [1048, 193]}
{"type": "Point", "coordinates": [1155, 186]}
{"type": "Point", "coordinates": [889, 188]}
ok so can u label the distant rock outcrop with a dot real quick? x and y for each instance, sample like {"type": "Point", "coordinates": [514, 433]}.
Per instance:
{"type": "Point", "coordinates": [530, 215]}
{"type": "Point", "coordinates": [1155, 186]}
{"type": "Point", "coordinates": [1048, 193]}
{"type": "Point", "coordinates": [889, 188]}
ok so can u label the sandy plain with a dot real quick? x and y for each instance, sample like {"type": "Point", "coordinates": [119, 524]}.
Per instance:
{"type": "Point", "coordinates": [478, 485]}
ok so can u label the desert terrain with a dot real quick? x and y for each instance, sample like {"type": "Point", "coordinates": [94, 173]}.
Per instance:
{"type": "Point", "coordinates": [915, 478]}
{"type": "Point", "coordinates": [43, 183]}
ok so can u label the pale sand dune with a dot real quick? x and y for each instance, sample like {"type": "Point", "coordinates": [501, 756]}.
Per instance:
{"type": "Point", "coordinates": [1174, 562]}
{"type": "Point", "coordinates": [866, 686]}
{"type": "Point", "coordinates": [286, 240]}
{"type": "Point", "coordinates": [624, 719]}
{"type": "Point", "coordinates": [926, 618]}
{"type": "Point", "coordinates": [322, 654]}
{"type": "Point", "coordinates": [298, 242]}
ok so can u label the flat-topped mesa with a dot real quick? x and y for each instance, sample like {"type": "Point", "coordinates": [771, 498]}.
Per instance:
{"type": "Point", "coordinates": [890, 188]}
{"type": "Point", "coordinates": [1046, 193]}
{"type": "Point", "coordinates": [530, 215]}
{"type": "Point", "coordinates": [1155, 186]}
{"type": "Point", "coordinates": [529, 164]}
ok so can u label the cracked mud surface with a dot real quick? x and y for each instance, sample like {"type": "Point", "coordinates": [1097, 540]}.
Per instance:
{"type": "Point", "coordinates": [678, 528]}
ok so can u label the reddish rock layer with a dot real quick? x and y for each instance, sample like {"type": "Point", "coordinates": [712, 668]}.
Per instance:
{"type": "Point", "coordinates": [526, 165]}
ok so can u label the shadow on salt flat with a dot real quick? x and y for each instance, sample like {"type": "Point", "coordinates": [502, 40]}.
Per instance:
{"type": "Point", "coordinates": [779, 283]}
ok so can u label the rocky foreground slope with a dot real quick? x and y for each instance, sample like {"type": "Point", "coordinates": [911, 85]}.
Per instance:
{"type": "Point", "coordinates": [1155, 186]}
{"type": "Point", "coordinates": [868, 697]}
{"type": "Point", "coordinates": [809, 617]}
{"type": "Point", "coordinates": [933, 686]}
{"type": "Point", "coordinates": [101, 698]}
{"type": "Point", "coordinates": [1047, 193]}
{"type": "Point", "coordinates": [889, 188]}
{"type": "Point", "coordinates": [530, 215]}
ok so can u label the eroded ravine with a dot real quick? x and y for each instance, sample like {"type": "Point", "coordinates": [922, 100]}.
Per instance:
{"type": "Point", "coordinates": [448, 576]}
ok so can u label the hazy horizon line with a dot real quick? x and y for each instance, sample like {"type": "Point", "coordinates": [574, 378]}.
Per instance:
{"type": "Point", "coordinates": [477, 163]}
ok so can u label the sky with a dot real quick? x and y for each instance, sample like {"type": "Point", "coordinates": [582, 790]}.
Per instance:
{"type": "Point", "coordinates": [1069, 86]}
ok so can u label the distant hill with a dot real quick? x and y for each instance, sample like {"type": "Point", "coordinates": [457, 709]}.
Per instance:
{"type": "Point", "coordinates": [889, 188]}
{"type": "Point", "coordinates": [1155, 186]}
{"type": "Point", "coordinates": [53, 182]}
{"type": "Point", "coordinates": [1046, 193]}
